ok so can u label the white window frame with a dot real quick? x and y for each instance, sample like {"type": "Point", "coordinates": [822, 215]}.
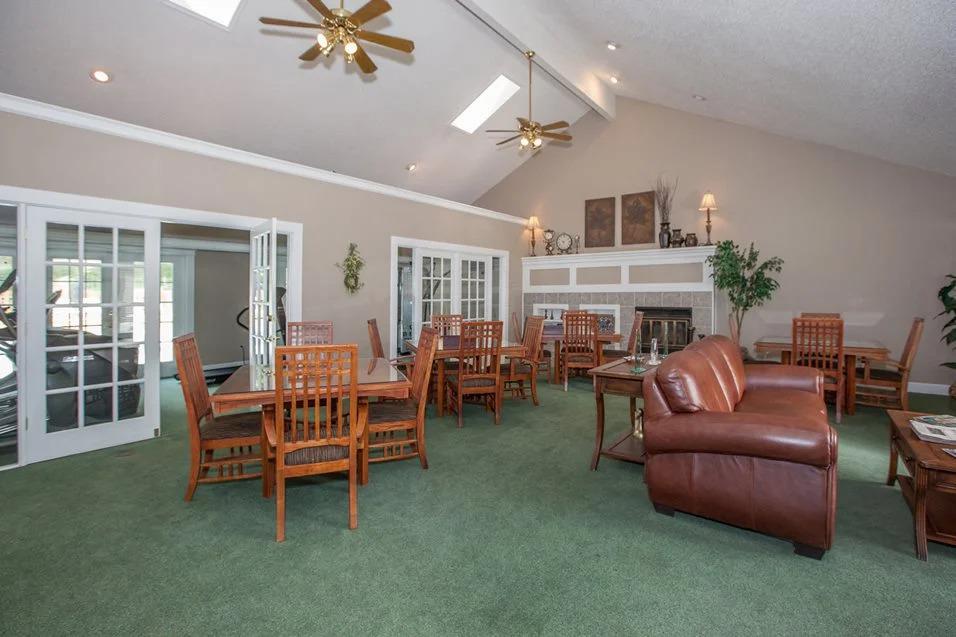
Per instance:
{"type": "Point", "coordinates": [459, 251]}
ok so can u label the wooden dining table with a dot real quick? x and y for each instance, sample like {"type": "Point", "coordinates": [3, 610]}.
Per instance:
{"type": "Point", "coordinates": [449, 348]}
{"type": "Point", "coordinates": [554, 333]}
{"type": "Point", "coordinates": [254, 386]}
{"type": "Point", "coordinates": [852, 349]}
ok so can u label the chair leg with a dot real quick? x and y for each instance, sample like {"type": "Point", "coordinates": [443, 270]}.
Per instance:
{"type": "Point", "coordinates": [353, 495]}
{"type": "Point", "coordinates": [499, 396]}
{"type": "Point", "coordinates": [420, 444]}
{"type": "Point", "coordinates": [839, 403]}
{"type": "Point", "coordinates": [904, 397]}
{"type": "Point", "coordinates": [280, 508]}
{"type": "Point", "coordinates": [534, 390]}
{"type": "Point", "coordinates": [460, 403]}
{"type": "Point", "coordinates": [207, 456]}
{"type": "Point", "coordinates": [565, 372]}
{"type": "Point", "coordinates": [194, 469]}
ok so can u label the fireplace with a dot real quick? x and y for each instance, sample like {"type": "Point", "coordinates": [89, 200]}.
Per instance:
{"type": "Point", "coordinates": [675, 322]}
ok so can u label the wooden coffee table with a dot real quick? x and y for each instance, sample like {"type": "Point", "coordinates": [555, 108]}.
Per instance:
{"type": "Point", "coordinates": [930, 489]}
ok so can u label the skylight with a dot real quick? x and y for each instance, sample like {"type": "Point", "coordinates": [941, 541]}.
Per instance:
{"type": "Point", "coordinates": [219, 11]}
{"type": "Point", "coordinates": [486, 104]}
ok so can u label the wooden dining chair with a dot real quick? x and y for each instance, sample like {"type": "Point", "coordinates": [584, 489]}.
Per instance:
{"type": "Point", "coordinates": [235, 434]}
{"type": "Point", "coordinates": [885, 383]}
{"type": "Point", "coordinates": [309, 333]}
{"type": "Point", "coordinates": [612, 354]}
{"type": "Point", "coordinates": [579, 349]}
{"type": "Point", "coordinates": [477, 373]}
{"type": "Point", "coordinates": [516, 332]}
{"type": "Point", "coordinates": [818, 343]}
{"type": "Point", "coordinates": [396, 429]}
{"type": "Point", "coordinates": [375, 339]}
{"type": "Point", "coordinates": [447, 324]}
{"type": "Point", "coordinates": [321, 434]}
{"type": "Point", "coordinates": [518, 370]}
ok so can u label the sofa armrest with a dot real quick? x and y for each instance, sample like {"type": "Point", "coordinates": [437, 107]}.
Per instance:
{"type": "Point", "coordinates": [786, 438]}
{"type": "Point", "coordinates": [784, 377]}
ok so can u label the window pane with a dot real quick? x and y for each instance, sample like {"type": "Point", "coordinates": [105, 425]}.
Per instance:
{"type": "Point", "coordinates": [61, 369]}
{"type": "Point", "coordinates": [131, 283]}
{"type": "Point", "coordinates": [131, 247]}
{"type": "Point", "coordinates": [166, 312]}
{"type": "Point", "coordinates": [131, 360]}
{"type": "Point", "coordinates": [61, 412]}
{"type": "Point", "coordinates": [165, 332]}
{"type": "Point", "coordinates": [62, 241]}
{"type": "Point", "coordinates": [98, 244]}
{"type": "Point", "coordinates": [131, 321]}
{"type": "Point", "coordinates": [165, 352]}
{"type": "Point", "coordinates": [97, 406]}
{"type": "Point", "coordinates": [98, 324]}
{"type": "Point", "coordinates": [63, 284]}
{"type": "Point", "coordinates": [426, 266]}
{"type": "Point", "coordinates": [130, 401]}
{"type": "Point", "coordinates": [97, 366]}
{"type": "Point", "coordinates": [63, 327]}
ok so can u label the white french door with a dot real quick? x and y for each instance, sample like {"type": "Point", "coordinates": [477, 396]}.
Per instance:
{"type": "Point", "coordinates": [92, 298]}
{"type": "Point", "coordinates": [450, 283]}
{"type": "Point", "coordinates": [263, 320]}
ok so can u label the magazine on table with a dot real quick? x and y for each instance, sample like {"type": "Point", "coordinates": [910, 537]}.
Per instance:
{"type": "Point", "coordinates": [939, 420]}
{"type": "Point", "coordinates": [951, 452]}
{"type": "Point", "coordinates": [933, 433]}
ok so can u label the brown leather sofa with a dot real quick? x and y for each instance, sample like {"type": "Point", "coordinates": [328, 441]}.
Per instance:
{"type": "Point", "coordinates": [748, 445]}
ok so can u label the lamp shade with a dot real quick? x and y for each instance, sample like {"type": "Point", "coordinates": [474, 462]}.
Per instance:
{"type": "Point", "coordinates": [709, 202]}
{"type": "Point", "coordinates": [533, 222]}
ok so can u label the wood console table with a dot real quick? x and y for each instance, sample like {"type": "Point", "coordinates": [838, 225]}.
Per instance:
{"type": "Point", "coordinates": [616, 377]}
{"type": "Point", "coordinates": [930, 489]}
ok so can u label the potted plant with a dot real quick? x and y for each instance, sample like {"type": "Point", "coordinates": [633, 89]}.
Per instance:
{"type": "Point", "coordinates": [948, 299]}
{"type": "Point", "coordinates": [664, 194]}
{"type": "Point", "coordinates": [746, 281]}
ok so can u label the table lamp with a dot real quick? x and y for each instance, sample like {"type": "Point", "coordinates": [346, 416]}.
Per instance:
{"type": "Point", "coordinates": [707, 204]}
{"type": "Point", "coordinates": [533, 224]}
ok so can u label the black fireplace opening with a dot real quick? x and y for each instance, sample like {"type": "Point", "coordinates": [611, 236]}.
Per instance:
{"type": "Point", "coordinates": [671, 326]}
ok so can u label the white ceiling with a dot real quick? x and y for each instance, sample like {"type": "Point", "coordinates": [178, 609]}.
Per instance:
{"type": "Point", "coordinates": [245, 87]}
{"type": "Point", "coordinates": [871, 76]}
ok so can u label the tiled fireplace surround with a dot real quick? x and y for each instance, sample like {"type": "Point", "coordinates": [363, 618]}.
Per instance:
{"type": "Point", "coordinates": [674, 278]}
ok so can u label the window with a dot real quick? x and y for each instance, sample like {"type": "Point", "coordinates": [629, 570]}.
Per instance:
{"type": "Point", "coordinates": [486, 104]}
{"type": "Point", "coordinates": [219, 11]}
{"type": "Point", "coordinates": [166, 311]}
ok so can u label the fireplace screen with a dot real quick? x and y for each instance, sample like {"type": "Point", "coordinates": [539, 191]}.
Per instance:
{"type": "Point", "coordinates": [671, 326]}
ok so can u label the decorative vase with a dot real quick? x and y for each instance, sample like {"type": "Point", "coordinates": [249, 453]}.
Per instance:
{"type": "Point", "coordinates": [665, 235]}
{"type": "Point", "coordinates": [691, 240]}
{"type": "Point", "coordinates": [677, 240]}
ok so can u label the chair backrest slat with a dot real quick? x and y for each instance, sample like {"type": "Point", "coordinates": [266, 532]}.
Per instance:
{"type": "Point", "coordinates": [424, 359]}
{"type": "Point", "coordinates": [447, 324]}
{"type": "Point", "coordinates": [375, 339]}
{"type": "Point", "coordinates": [517, 334]}
{"type": "Point", "coordinates": [193, 381]}
{"type": "Point", "coordinates": [533, 329]}
{"type": "Point", "coordinates": [309, 333]}
{"type": "Point", "coordinates": [635, 331]}
{"type": "Point", "coordinates": [315, 381]}
{"type": "Point", "coordinates": [580, 332]}
{"type": "Point", "coordinates": [818, 343]}
{"type": "Point", "coordinates": [908, 356]}
{"type": "Point", "coordinates": [479, 352]}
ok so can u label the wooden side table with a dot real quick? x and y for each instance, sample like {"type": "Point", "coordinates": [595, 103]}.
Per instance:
{"type": "Point", "coordinates": [930, 489]}
{"type": "Point", "coordinates": [616, 377]}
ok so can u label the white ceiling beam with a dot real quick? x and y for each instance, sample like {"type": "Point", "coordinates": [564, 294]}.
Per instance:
{"type": "Point", "coordinates": [523, 26]}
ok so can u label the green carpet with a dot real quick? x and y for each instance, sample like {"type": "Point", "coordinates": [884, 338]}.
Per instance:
{"type": "Point", "coordinates": [507, 533]}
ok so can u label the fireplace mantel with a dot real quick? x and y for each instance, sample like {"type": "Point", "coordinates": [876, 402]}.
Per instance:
{"type": "Point", "coordinates": [620, 271]}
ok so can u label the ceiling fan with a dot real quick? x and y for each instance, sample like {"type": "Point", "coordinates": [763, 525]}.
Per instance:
{"type": "Point", "coordinates": [531, 133]}
{"type": "Point", "coordinates": [341, 26]}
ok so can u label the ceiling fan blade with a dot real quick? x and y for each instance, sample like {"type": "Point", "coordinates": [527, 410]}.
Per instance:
{"type": "Point", "coordinates": [525, 123]}
{"type": "Point", "coordinates": [400, 44]}
{"type": "Point", "coordinates": [319, 6]}
{"type": "Point", "coordinates": [364, 61]}
{"type": "Point", "coordinates": [554, 125]}
{"type": "Point", "coordinates": [502, 131]}
{"type": "Point", "coordinates": [290, 23]}
{"type": "Point", "coordinates": [558, 136]}
{"type": "Point", "coordinates": [369, 11]}
{"type": "Point", "coordinates": [510, 139]}
{"type": "Point", "coordinates": [312, 53]}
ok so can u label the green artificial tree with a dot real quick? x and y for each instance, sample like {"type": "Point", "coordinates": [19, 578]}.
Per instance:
{"type": "Point", "coordinates": [746, 281]}
{"type": "Point", "coordinates": [948, 299]}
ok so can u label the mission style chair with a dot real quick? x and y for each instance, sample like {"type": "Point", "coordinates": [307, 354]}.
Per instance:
{"type": "Point", "coordinates": [884, 384]}
{"type": "Point", "coordinates": [309, 333]}
{"type": "Point", "coordinates": [477, 371]}
{"type": "Point", "coordinates": [321, 434]}
{"type": "Point", "coordinates": [520, 370]}
{"type": "Point", "coordinates": [235, 433]}
{"type": "Point", "coordinates": [396, 428]}
{"type": "Point", "coordinates": [612, 354]}
{"type": "Point", "coordinates": [818, 343]}
{"type": "Point", "coordinates": [580, 344]}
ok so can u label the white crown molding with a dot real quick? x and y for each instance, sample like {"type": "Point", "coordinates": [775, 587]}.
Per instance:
{"type": "Point", "coordinates": [78, 119]}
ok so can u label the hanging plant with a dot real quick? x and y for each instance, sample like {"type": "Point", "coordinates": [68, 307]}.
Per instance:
{"type": "Point", "coordinates": [352, 267]}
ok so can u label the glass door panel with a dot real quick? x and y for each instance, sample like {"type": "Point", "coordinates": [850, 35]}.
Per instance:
{"type": "Point", "coordinates": [263, 317]}
{"type": "Point", "coordinates": [9, 373]}
{"type": "Point", "coordinates": [475, 288]}
{"type": "Point", "coordinates": [101, 341]}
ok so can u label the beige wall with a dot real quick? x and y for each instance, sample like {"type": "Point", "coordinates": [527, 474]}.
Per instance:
{"type": "Point", "coordinates": [219, 296]}
{"type": "Point", "coordinates": [860, 236]}
{"type": "Point", "coordinates": [38, 154]}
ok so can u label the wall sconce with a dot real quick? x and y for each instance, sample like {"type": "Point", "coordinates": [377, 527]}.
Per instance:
{"type": "Point", "coordinates": [708, 204]}
{"type": "Point", "coordinates": [533, 225]}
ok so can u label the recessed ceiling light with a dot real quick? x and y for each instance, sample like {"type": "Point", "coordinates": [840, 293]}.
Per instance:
{"type": "Point", "coordinates": [411, 167]}
{"type": "Point", "coordinates": [699, 98]}
{"type": "Point", "coordinates": [100, 76]}
{"type": "Point", "coordinates": [486, 104]}
{"type": "Point", "coordinates": [614, 79]}
{"type": "Point", "coordinates": [611, 45]}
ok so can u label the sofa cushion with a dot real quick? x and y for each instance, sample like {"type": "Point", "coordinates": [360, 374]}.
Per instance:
{"type": "Point", "coordinates": [783, 402]}
{"type": "Point", "coordinates": [690, 383]}
{"type": "Point", "coordinates": [724, 357]}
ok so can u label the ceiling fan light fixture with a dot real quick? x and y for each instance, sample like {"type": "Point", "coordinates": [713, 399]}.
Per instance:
{"type": "Point", "coordinates": [525, 142]}
{"type": "Point", "coordinates": [322, 39]}
{"type": "Point", "coordinates": [536, 143]}
{"type": "Point", "coordinates": [351, 47]}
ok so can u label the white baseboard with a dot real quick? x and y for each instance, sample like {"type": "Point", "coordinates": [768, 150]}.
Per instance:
{"type": "Point", "coordinates": [210, 368]}
{"type": "Point", "coordinates": [937, 389]}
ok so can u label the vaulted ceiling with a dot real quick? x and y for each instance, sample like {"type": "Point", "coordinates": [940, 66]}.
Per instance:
{"type": "Point", "coordinates": [870, 76]}
{"type": "Point", "coordinates": [245, 88]}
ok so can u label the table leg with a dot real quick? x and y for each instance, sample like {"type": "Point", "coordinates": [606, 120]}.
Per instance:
{"type": "Point", "coordinates": [919, 512]}
{"type": "Point", "coordinates": [440, 396]}
{"type": "Point", "coordinates": [785, 357]}
{"type": "Point", "coordinates": [894, 462]}
{"type": "Point", "coordinates": [849, 404]}
{"type": "Point", "coordinates": [268, 418]}
{"type": "Point", "coordinates": [599, 433]}
{"type": "Point", "coordinates": [557, 362]}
